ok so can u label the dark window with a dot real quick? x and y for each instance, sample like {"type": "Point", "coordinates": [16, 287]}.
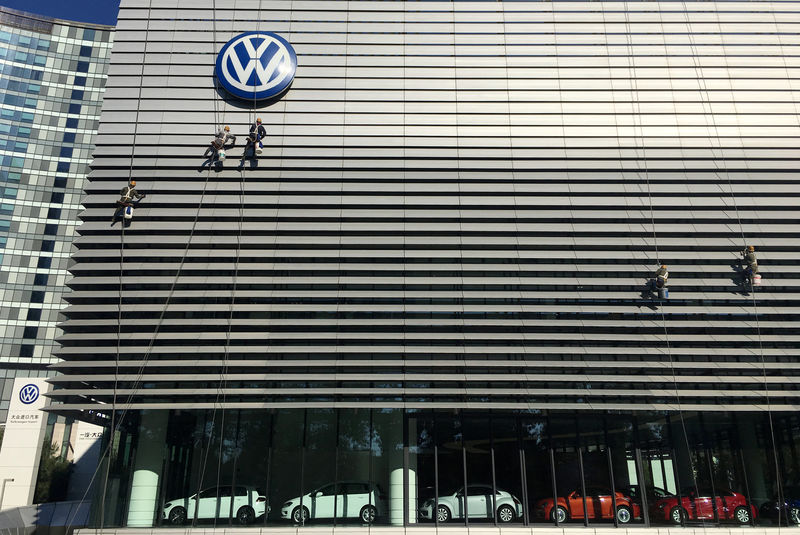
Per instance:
{"type": "Point", "coordinates": [57, 197]}
{"type": "Point", "coordinates": [77, 94]}
{"type": "Point", "coordinates": [45, 261]}
{"type": "Point", "coordinates": [69, 137]}
{"type": "Point", "coordinates": [60, 182]}
{"type": "Point", "coordinates": [86, 51]}
{"type": "Point", "coordinates": [74, 108]}
{"type": "Point", "coordinates": [72, 123]}
{"type": "Point", "coordinates": [37, 296]}
{"type": "Point", "coordinates": [48, 246]}
{"type": "Point", "coordinates": [209, 493]}
{"type": "Point", "coordinates": [50, 229]}
{"type": "Point", "coordinates": [53, 213]}
{"type": "Point", "coordinates": [30, 332]}
{"type": "Point", "coordinates": [83, 66]}
{"type": "Point", "coordinates": [80, 80]}
{"type": "Point", "coordinates": [327, 490]}
{"type": "Point", "coordinates": [63, 167]}
{"type": "Point", "coordinates": [40, 279]}
{"type": "Point", "coordinates": [34, 314]}
{"type": "Point", "coordinates": [26, 350]}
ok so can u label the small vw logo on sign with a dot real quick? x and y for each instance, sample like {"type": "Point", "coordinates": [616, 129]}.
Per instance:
{"type": "Point", "coordinates": [29, 394]}
{"type": "Point", "coordinates": [256, 65]}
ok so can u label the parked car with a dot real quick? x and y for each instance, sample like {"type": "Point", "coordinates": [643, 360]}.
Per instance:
{"type": "Point", "coordinates": [788, 511]}
{"type": "Point", "coordinates": [215, 502]}
{"type": "Point", "coordinates": [478, 505]}
{"type": "Point", "coordinates": [599, 505]}
{"type": "Point", "coordinates": [730, 505]}
{"type": "Point", "coordinates": [347, 499]}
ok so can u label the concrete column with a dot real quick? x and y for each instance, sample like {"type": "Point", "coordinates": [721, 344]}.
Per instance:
{"type": "Point", "coordinates": [147, 468]}
{"type": "Point", "coordinates": [396, 473]}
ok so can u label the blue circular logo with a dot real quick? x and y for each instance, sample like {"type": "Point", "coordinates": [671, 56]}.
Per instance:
{"type": "Point", "coordinates": [29, 393]}
{"type": "Point", "coordinates": [256, 65]}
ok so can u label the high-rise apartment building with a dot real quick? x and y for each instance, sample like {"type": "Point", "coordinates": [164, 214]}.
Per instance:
{"type": "Point", "coordinates": [52, 79]}
{"type": "Point", "coordinates": [429, 301]}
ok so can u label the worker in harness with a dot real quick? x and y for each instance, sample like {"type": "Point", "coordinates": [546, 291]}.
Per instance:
{"type": "Point", "coordinates": [128, 196]}
{"type": "Point", "coordinates": [660, 281]}
{"type": "Point", "coordinates": [218, 145]}
{"type": "Point", "coordinates": [257, 133]}
{"type": "Point", "coordinates": [751, 271]}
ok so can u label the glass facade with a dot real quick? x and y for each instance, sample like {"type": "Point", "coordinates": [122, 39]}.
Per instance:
{"type": "Point", "coordinates": [325, 466]}
{"type": "Point", "coordinates": [52, 80]}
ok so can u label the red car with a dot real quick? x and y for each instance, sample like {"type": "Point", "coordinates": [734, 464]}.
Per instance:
{"type": "Point", "coordinates": [599, 505]}
{"type": "Point", "coordinates": [730, 506]}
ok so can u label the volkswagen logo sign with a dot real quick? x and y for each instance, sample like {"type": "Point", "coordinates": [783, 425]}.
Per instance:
{"type": "Point", "coordinates": [28, 394]}
{"type": "Point", "coordinates": [256, 65]}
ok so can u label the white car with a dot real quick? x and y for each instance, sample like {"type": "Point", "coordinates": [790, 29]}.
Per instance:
{"type": "Point", "coordinates": [215, 502]}
{"type": "Point", "coordinates": [351, 499]}
{"type": "Point", "coordinates": [478, 505]}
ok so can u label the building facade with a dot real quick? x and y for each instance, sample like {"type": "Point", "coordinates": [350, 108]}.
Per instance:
{"type": "Point", "coordinates": [429, 301]}
{"type": "Point", "coordinates": [52, 83]}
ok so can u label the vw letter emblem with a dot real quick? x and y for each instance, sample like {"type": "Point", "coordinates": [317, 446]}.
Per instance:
{"type": "Point", "coordinates": [29, 394]}
{"type": "Point", "coordinates": [256, 65]}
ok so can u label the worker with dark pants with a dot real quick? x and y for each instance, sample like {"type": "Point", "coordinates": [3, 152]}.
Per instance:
{"type": "Point", "coordinates": [128, 195]}
{"type": "Point", "coordinates": [749, 257]}
{"type": "Point", "coordinates": [257, 133]}
{"type": "Point", "coordinates": [659, 282]}
{"type": "Point", "coordinates": [218, 143]}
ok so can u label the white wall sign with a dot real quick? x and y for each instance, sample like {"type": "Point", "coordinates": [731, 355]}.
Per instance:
{"type": "Point", "coordinates": [22, 442]}
{"type": "Point", "coordinates": [86, 455]}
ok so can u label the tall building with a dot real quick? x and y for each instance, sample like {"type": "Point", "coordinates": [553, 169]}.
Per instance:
{"type": "Point", "coordinates": [52, 78]}
{"type": "Point", "coordinates": [437, 276]}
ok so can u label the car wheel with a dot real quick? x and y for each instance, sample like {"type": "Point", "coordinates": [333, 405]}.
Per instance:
{"type": "Point", "coordinates": [296, 515]}
{"type": "Point", "coordinates": [741, 515]}
{"type": "Point", "coordinates": [794, 515]}
{"type": "Point", "coordinates": [559, 514]}
{"type": "Point", "coordinates": [245, 515]}
{"type": "Point", "coordinates": [367, 514]}
{"type": "Point", "coordinates": [177, 516]}
{"type": "Point", "coordinates": [624, 515]}
{"type": "Point", "coordinates": [677, 515]}
{"type": "Point", "coordinates": [442, 514]}
{"type": "Point", "coordinates": [505, 514]}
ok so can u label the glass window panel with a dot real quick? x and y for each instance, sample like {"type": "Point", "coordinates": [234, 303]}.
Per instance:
{"type": "Point", "coordinates": [507, 468]}
{"type": "Point", "coordinates": [286, 467]}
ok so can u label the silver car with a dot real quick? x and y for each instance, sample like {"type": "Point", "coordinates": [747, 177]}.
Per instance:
{"type": "Point", "coordinates": [245, 504]}
{"type": "Point", "coordinates": [346, 499]}
{"type": "Point", "coordinates": [478, 504]}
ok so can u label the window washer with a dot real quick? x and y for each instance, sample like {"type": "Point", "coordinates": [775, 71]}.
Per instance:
{"type": "Point", "coordinates": [217, 148]}
{"type": "Point", "coordinates": [128, 195]}
{"type": "Point", "coordinates": [660, 281]}
{"type": "Point", "coordinates": [257, 133]}
{"type": "Point", "coordinates": [751, 271]}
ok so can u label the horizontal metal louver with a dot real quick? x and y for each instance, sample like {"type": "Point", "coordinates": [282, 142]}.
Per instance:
{"type": "Point", "coordinates": [455, 208]}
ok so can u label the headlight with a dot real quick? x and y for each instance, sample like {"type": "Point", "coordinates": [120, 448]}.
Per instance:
{"type": "Point", "coordinates": [167, 505]}
{"type": "Point", "coordinates": [661, 505]}
{"type": "Point", "coordinates": [287, 504]}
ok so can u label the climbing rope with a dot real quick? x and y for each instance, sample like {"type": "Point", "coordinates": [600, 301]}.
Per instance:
{"type": "Point", "coordinates": [117, 422]}
{"type": "Point", "coordinates": [636, 113]}
{"type": "Point", "coordinates": [704, 92]}
{"type": "Point", "coordinates": [113, 424]}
